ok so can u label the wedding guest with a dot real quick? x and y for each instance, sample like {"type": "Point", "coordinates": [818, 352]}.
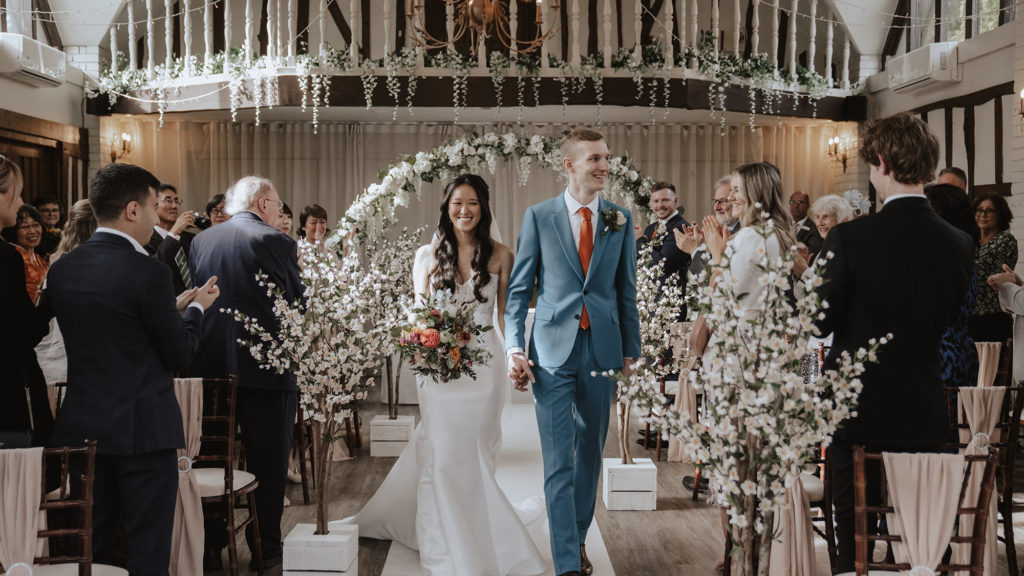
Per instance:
{"type": "Point", "coordinates": [902, 271]}
{"type": "Point", "coordinates": [1011, 298]}
{"type": "Point", "coordinates": [215, 210]}
{"type": "Point", "coordinates": [959, 355]}
{"type": "Point", "coordinates": [172, 237]}
{"type": "Point", "coordinates": [827, 212]}
{"type": "Point", "coordinates": [25, 236]}
{"type": "Point", "coordinates": [953, 175]}
{"type": "Point", "coordinates": [126, 336]}
{"type": "Point", "coordinates": [313, 224]}
{"type": "Point", "coordinates": [804, 229]}
{"type": "Point", "coordinates": [49, 209]}
{"type": "Point", "coordinates": [664, 204]}
{"type": "Point", "coordinates": [284, 224]}
{"type": "Point", "coordinates": [690, 239]}
{"type": "Point", "coordinates": [25, 418]}
{"type": "Point", "coordinates": [998, 248]}
{"type": "Point", "coordinates": [236, 251]}
{"type": "Point", "coordinates": [50, 351]}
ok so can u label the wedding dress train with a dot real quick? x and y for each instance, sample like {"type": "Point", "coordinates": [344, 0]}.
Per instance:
{"type": "Point", "coordinates": [441, 497]}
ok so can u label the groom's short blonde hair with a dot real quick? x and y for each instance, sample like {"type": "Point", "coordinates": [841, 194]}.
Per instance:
{"type": "Point", "coordinates": [570, 140]}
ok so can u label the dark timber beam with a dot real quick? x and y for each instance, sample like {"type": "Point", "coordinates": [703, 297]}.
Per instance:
{"type": "Point", "coordinates": [339, 21]}
{"type": "Point", "coordinates": [899, 24]}
{"type": "Point", "coordinates": [49, 27]}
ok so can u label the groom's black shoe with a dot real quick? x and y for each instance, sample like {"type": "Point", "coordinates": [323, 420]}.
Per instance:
{"type": "Point", "coordinates": [586, 568]}
{"type": "Point", "coordinates": [688, 483]}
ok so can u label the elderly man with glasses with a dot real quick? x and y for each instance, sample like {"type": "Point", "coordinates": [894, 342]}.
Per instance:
{"type": "Point", "coordinates": [691, 240]}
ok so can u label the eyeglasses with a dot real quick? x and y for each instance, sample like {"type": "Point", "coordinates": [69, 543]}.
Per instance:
{"type": "Point", "coordinates": [985, 211]}
{"type": "Point", "coordinates": [32, 226]}
{"type": "Point", "coordinates": [718, 201]}
{"type": "Point", "coordinates": [172, 201]}
{"type": "Point", "coordinates": [797, 202]}
{"type": "Point", "coordinates": [49, 210]}
{"type": "Point", "coordinates": [280, 203]}
{"type": "Point", "coordinates": [216, 212]}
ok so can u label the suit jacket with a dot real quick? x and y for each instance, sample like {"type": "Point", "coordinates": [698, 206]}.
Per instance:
{"type": "Point", "coordinates": [809, 236]}
{"type": "Point", "coordinates": [235, 252]}
{"type": "Point", "coordinates": [124, 341]}
{"type": "Point", "coordinates": [166, 251]}
{"type": "Point", "coordinates": [676, 261]}
{"type": "Point", "coordinates": [547, 257]}
{"type": "Point", "coordinates": [903, 271]}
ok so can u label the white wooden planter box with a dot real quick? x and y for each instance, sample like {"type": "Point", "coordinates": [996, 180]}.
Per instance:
{"type": "Point", "coordinates": [389, 437]}
{"type": "Point", "coordinates": [309, 554]}
{"type": "Point", "coordinates": [630, 486]}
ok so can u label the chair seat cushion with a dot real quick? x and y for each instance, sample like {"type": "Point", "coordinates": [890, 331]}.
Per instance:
{"type": "Point", "coordinates": [813, 486]}
{"type": "Point", "coordinates": [71, 569]}
{"type": "Point", "coordinates": [211, 481]}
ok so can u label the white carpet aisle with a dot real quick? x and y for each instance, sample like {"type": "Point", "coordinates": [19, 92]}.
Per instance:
{"type": "Point", "coordinates": [521, 476]}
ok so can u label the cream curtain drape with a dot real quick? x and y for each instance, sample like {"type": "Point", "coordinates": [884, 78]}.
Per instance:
{"type": "Point", "coordinates": [332, 167]}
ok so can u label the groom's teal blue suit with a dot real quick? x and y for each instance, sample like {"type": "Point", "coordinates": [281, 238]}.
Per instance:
{"type": "Point", "coordinates": [573, 407]}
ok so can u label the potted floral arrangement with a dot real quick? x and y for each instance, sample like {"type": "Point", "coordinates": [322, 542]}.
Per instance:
{"type": "Point", "coordinates": [761, 421]}
{"type": "Point", "coordinates": [629, 484]}
{"type": "Point", "coordinates": [329, 339]}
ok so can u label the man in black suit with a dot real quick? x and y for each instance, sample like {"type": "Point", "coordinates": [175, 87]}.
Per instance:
{"type": "Point", "coordinates": [664, 204]}
{"type": "Point", "coordinates": [914, 293]}
{"type": "Point", "coordinates": [172, 236]}
{"type": "Point", "coordinates": [803, 228]}
{"type": "Point", "coordinates": [125, 337]}
{"type": "Point", "coordinates": [236, 251]}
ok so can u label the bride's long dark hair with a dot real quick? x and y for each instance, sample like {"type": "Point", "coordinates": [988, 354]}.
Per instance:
{"type": "Point", "coordinates": [446, 251]}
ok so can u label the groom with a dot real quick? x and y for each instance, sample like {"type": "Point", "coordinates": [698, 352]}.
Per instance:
{"type": "Point", "coordinates": [577, 249]}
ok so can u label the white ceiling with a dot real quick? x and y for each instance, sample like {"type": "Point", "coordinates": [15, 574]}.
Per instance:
{"type": "Point", "coordinates": [867, 20]}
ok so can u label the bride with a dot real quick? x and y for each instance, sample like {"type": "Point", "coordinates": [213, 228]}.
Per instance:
{"type": "Point", "coordinates": [441, 496]}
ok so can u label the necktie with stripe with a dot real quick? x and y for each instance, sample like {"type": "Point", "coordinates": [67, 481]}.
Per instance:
{"type": "Point", "coordinates": [182, 262]}
{"type": "Point", "coordinates": [586, 250]}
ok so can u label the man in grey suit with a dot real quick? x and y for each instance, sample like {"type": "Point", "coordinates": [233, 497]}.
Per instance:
{"type": "Point", "coordinates": [236, 251]}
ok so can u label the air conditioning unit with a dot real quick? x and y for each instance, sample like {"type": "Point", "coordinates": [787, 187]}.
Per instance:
{"type": "Point", "coordinates": [927, 66]}
{"type": "Point", "coordinates": [30, 61]}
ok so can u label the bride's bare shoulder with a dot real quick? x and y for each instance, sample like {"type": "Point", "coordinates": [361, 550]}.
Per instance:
{"type": "Point", "coordinates": [501, 257]}
{"type": "Point", "coordinates": [424, 253]}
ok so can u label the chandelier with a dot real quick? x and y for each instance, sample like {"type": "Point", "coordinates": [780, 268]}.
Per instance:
{"type": "Point", "coordinates": [486, 18]}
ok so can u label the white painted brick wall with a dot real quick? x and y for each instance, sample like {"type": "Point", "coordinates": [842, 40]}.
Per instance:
{"type": "Point", "coordinates": [1016, 174]}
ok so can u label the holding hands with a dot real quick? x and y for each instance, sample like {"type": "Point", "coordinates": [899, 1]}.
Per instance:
{"type": "Point", "coordinates": [519, 371]}
{"type": "Point", "coordinates": [1007, 275]}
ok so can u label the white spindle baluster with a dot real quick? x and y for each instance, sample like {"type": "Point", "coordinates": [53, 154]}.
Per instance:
{"type": "Point", "coordinates": [323, 32]}
{"type": "Point", "coordinates": [387, 27]}
{"type": "Point", "coordinates": [208, 36]}
{"type": "Point", "coordinates": [670, 18]}
{"type": "Point", "coordinates": [775, 35]}
{"type": "Point", "coordinates": [513, 19]}
{"type": "Point", "coordinates": [543, 45]}
{"type": "Point", "coordinates": [481, 52]}
{"type": "Point", "coordinates": [168, 34]}
{"type": "Point", "coordinates": [714, 27]}
{"type": "Point", "coordinates": [226, 7]}
{"type": "Point", "coordinates": [291, 32]}
{"type": "Point", "coordinates": [846, 63]}
{"type": "Point", "coordinates": [681, 32]}
{"type": "Point", "coordinates": [813, 40]}
{"type": "Point", "coordinates": [150, 40]}
{"type": "Point", "coordinates": [755, 25]}
{"type": "Point", "coordinates": [638, 18]}
{"type": "Point", "coordinates": [737, 12]}
{"type": "Point", "coordinates": [574, 51]}
{"type": "Point", "coordinates": [248, 31]}
{"type": "Point", "coordinates": [113, 49]}
{"type": "Point", "coordinates": [279, 30]}
{"type": "Point", "coordinates": [271, 21]}
{"type": "Point", "coordinates": [449, 24]}
{"type": "Point", "coordinates": [828, 49]}
{"type": "Point", "coordinates": [607, 14]}
{"type": "Point", "coordinates": [694, 36]}
{"type": "Point", "coordinates": [792, 37]}
{"type": "Point", "coordinates": [357, 31]}
{"type": "Point", "coordinates": [133, 56]}
{"type": "Point", "coordinates": [187, 16]}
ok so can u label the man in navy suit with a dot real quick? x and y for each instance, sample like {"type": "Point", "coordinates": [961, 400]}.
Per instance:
{"type": "Point", "coordinates": [125, 337]}
{"type": "Point", "coordinates": [236, 251]}
{"type": "Point", "coordinates": [664, 204]}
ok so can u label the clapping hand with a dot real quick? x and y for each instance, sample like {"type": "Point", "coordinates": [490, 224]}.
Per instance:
{"type": "Point", "coordinates": [184, 299]}
{"type": "Point", "coordinates": [689, 238]}
{"type": "Point", "coordinates": [802, 261]}
{"type": "Point", "coordinates": [207, 293]}
{"type": "Point", "coordinates": [715, 236]}
{"type": "Point", "coordinates": [1007, 275]}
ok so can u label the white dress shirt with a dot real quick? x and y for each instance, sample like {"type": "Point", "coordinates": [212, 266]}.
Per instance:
{"type": "Point", "coordinates": [671, 216]}
{"type": "Point", "coordinates": [165, 233]}
{"type": "Point", "coordinates": [576, 219]}
{"type": "Point", "coordinates": [138, 248]}
{"type": "Point", "coordinates": [898, 196]}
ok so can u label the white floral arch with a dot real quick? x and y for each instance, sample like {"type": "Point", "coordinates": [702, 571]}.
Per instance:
{"type": "Point", "coordinates": [374, 210]}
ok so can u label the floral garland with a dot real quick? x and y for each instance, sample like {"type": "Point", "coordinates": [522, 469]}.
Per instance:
{"type": "Point", "coordinates": [459, 65]}
{"type": "Point", "coordinates": [374, 210]}
{"type": "Point", "coordinates": [401, 63]}
{"type": "Point", "coordinates": [500, 65]}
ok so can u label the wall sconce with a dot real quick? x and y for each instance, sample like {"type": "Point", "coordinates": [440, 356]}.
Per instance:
{"type": "Point", "coordinates": [837, 150]}
{"type": "Point", "coordinates": [1022, 102]}
{"type": "Point", "coordinates": [125, 148]}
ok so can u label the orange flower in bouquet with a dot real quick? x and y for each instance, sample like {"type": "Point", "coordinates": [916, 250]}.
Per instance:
{"type": "Point", "coordinates": [440, 339]}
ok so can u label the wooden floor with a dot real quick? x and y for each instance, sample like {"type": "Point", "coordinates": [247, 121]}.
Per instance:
{"type": "Point", "coordinates": [681, 538]}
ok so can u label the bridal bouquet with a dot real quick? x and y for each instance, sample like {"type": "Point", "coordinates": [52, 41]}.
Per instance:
{"type": "Point", "coordinates": [441, 339]}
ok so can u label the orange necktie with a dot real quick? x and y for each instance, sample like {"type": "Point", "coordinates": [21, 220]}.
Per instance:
{"type": "Point", "coordinates": [586, 250]}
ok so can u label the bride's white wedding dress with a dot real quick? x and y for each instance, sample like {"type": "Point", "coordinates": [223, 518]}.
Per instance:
{"type": "Point", "coordinates": [441, 497]}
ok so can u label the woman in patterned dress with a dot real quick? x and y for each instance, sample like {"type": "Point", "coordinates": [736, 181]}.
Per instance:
{"type": "Point", "coordinates": [998, 246]}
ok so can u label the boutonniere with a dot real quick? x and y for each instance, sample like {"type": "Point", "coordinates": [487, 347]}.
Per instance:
{"type": "Point", "coordinates": [613, 220]}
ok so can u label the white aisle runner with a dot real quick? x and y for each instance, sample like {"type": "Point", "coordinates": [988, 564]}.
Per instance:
{"type": "Point", "coordinates": [521, 475]}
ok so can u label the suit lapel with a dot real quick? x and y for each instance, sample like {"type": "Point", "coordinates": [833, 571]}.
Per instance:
{"type": "Point", "coordinates": [600, 239]}
{"type": "Point", "coordinates": [560, 222]}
